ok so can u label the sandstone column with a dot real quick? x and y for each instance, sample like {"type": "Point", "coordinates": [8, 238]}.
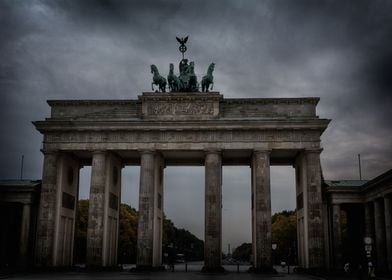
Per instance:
{"type": "Point", "coordinates": [149, 245]}
{"type": "Point", "coordinates": [213, 212]}
{"type": "Point", "coordinates": [261, 217]}
{"type": "Point", "coordinates": [388, 229]}
{"type": "Point", "coordinates": [65, 212]}
{"type": "Point", "coordinates": [102, 232]}
{"type": "Point", "coordinates": [337, 237]}
{"type": "Point", "coordinates": [25, 236]}
{"type": "Point", "coordinates": [314, 209]}
{"type": "Point", "coordinates": [46, 215]}
{"type": "Point", "coordinates": [379, 227]}
{"type": "Point", "coordinates": [368, 220]}
{"type": "Point", "coordinates": [301, 206]}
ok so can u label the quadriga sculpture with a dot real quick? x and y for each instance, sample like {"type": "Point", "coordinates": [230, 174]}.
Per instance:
{"type": "Point", "coordinates": [157, 79]}
{"type": "Point", "coordinates": [208, 79]}
{"type": "Point", "coordinates": [173, 81]}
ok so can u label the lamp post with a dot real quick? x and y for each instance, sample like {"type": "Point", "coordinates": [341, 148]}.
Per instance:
{"type": "Point", "coordinates": [274, 247]}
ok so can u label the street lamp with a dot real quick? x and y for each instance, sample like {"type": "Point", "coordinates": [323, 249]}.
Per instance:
{"type": "Point", "coordinates": [274, 247]}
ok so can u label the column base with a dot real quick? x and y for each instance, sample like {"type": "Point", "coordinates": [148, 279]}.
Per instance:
{"type": "Point", "coordinates": [147, 268]}
{"type": "Point", "coordinates": [263, 270]}
{"type": "Point", "coordinates": [213, 269]}
{"type": "Point", "coordinates": [98, 268]}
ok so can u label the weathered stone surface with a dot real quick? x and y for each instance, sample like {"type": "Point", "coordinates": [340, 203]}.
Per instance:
{"type": "Point", "coordinates": [379, 229]}
{"type": "Point", "coordinates": [102, 232]}
{"type": "Point", "coordinates": [337, 236]}
{"type": "Point", "coordinates": [149, 246]}
{"type": "Point", "coordinates": [314, 209]}
{"type": "Point", "coordinates": [388, 229]}
{"type": "Point", "coordinates": [213, 211]}
{"type": "Point", "coordinates": [46, 216]}
{"type": "Point", "coordinates": [261, 211]}
{"type": "Point", "coordinates": [65, 212]}
{"type": "Point", "coordinates": [177, 128]}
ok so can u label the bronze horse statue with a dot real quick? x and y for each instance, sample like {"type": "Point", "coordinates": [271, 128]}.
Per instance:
{"type": "Point", "coordinates": [208, 79]}
{"type": "Point", "coordinates": [192, 83]}
{"type": "Point", "coordinates": [173, 81]}
{"type": "Point", "coordinates": [157, 79]}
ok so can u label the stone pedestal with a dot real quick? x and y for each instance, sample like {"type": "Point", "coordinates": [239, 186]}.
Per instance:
{"type": "Point", "coordinates": [213, 212]}
{"type": "Point", "coordinates": [337, 237]}
{"type": "Point", "coordinates": [102, 232]}
{"type": "Point", "coordinates": [261, 212]}
{"type": "Point", "coordinates": [46, 214]}
{"type": "Point", "coordinates": [379, 228]}
{"type": "Point", "coordinates": [149, 245]}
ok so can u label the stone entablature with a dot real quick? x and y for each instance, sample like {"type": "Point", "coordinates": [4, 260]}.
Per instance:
{"type": "Point", "coordinates": [168, 121]}
{"type": "Point", "coordinates": [189, 106]}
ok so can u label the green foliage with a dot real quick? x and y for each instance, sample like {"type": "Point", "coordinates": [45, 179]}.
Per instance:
{"type": "Point", "coordinates": [284, 234]}
{"type": "Point", "coordinates": [81, 232]}
{"type": "Point", "coordinates": [243, 252]}
{"type": "Point", "coordinates": [184, 241]}
{"type": "Point", "coordinates": [127, 242]}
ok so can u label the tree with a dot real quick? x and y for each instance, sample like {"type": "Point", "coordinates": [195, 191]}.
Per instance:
{"type": "Point", "coordinates": [81, 231]}
{"type": "Point", "coordinates": [127, 240]}
{"type": "Point", "coordinates": [243, 252]}
{"type": "Point", "coordinates": [284, 234]}
{"type": "Point", "coordinates": [185, 242]}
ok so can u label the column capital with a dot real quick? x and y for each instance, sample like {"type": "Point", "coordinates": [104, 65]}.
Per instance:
{"type": "Point", "coordinates": [50, 152]}
{"type": "Point", "coordinates": [146, 151]}
{"type": "Point", "coordinates": [313, 151]}
{"type": "Point", "coordinates": [213, 151]}
{"type": "Point", "coordinates": [262, 151]}
{"type": "Point", "coordinates": [99, 152]}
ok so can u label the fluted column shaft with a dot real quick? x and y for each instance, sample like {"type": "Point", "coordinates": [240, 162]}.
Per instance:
{"type": "Point", "coordinates": [337, 236]}
{"type": "Point", "coordinates": [379, 227]}
{"type": "Point", "coordinates": [46, 215]}
{"type": "Point", "coordinates": [388, 229]}
{"type": "Point", "coordinates": [146, 210]}
{"type": "Point", "coordinates": [213, 211]}
{"type": "Point", "coordinates": [314, 210]}
{"type": "Point", "coordinates": [95, 228]}
{"type": "Point", "coordinates": [261, 218]}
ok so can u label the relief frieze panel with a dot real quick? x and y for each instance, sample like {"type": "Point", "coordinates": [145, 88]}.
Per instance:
{"type": "Point", "coordinates": [181, 136]}
{"type": "Point", "coordinates": [186, 108]}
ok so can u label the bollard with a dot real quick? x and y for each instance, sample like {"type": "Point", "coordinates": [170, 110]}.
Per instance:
{"type": "Point", "coordinates": [186, 267]}
{"type": "Point", "coordinates": [238, 268]}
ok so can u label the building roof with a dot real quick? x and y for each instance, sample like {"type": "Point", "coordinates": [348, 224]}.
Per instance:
{"type": "Point", "coordinates": [345, 183]}
{"type": "Point", "coordinates": [20, 183]}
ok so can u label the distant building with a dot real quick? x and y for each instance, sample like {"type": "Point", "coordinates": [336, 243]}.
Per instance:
{"type": "Point", "coordinates": [359, 221]}
{"type": "Point", "coordinates": [19, 201]}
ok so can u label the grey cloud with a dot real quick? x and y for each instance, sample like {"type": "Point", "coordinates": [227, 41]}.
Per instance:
{"type": "Point", "coordinates": [337, 50]}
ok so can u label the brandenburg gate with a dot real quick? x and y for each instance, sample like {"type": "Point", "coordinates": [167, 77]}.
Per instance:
{"type": "Point", "coordinates": [178, 128]}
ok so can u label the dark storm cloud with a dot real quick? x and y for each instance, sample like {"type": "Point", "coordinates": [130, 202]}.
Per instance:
{"type": "Point", "coordinates": [337, 50]}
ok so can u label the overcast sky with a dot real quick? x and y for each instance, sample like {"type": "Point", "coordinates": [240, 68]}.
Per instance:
{"type": "Point", "coordinates": [340, 51]}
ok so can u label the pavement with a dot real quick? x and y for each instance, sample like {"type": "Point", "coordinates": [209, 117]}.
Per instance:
{"type": "Point", "coordinates": [182, 272]}
{"type": "Point", "coordinates": [193, 273]}
{"type": "Point", "coordinates": [158, 276]}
